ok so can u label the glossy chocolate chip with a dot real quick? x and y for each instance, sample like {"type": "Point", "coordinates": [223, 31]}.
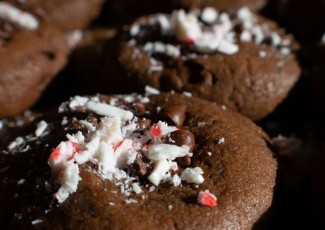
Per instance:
{"type": "Point", "coordinates": [184, 161]}
{"type": "Point", "coordinates": [171, 81]}
{"type": "Point", "coordinates": [182, 137]}
{"type": "Point", "coordinates": [140, 109]}
{"type": "Point", "coordinates": [174, 114]}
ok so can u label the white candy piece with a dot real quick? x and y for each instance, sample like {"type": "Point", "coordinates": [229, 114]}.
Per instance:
{"type": "Point", "coordinates": [106, 157]}
{"type": "Point", "coordinates": [18, 17]}
{"type": "Point", "coordinates": [41, 126]}
{"type": "Point", "coordinates": [151, 91]}
{"type": "Point", "coordinates": [109, 110]}
{"type": "Point", "coordinates": [77, 101]}
{"type": "Point", "coordinates": [90, 151]}
{"type": "Point", "coordinates": [193, 175]}
{"type": "Point", "coordinates": [159, 47]}
{"type": "Point", "coordinates": [186, 26]}
{"type": "Point", "coordinates": [136, 188]}
{"type": "Point", "coordinates": [87, 124]}
{"type": "Point", "coordinates": [167, 152]}
{"type": "Point", "coordinates": [165, 128]}
{"type": "Point", "coordinates": [110, 130]}
{"type": "Point", "coordinates": [228, 47]}
{"type": "Point", "coordinates": [69, 179]}
{"type": "Point", "coordinates": [159, 172]}
{"type": "Point", "coordinates": [209, 15]}
{"type": "Point", "coordinates": [59, 161]}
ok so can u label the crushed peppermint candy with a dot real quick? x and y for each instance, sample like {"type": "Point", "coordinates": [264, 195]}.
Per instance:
{"type": "Point", "coordinates": [21, 181]}
{"type": "Point", "coordinates": [207, 199]}
{"type": "Point", "coordinates": [41, 127]}
{"type": "Point", "coordinates": [19, 141]}
{"type": "Point", "coordinates": [221, 141]}
{"type": "Point", "coordinates": [131, 201]}
{"type": "Point", "coordinates": [150, 90]}
{"type": "Point", "coordinates": [203, 32]}
{"type": "Point", "coordinates": [117, 142]}
{"type": "Point", "coordinates": [18, 17]}
{"type": "Point", "coordinates": [193, 175]}
{"type": "Point", "coordinates": [37, 221]}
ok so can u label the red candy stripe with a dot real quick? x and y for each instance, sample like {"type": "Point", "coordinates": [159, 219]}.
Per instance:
{"type": "Point", "coordinates": [207, 199]}
{"type": "Point", "coordinates": [189, 41]}
{"type": "Point", "coordinates": [156, 130]}
{"type": "Point", "coordinates": [118, 145]}
{"type": "Point", "coordinates": [56, 153]}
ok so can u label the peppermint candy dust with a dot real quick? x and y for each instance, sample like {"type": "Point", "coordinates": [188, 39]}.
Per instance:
{"type": "Point", "coordinates": [120, 140]}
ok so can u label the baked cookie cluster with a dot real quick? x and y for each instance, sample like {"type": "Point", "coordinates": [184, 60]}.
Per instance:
{"type": "Point", "coordinates": [151, 115]}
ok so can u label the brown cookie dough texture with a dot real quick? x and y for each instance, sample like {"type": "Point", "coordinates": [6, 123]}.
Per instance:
{"type": "Point", "coordinates": [237, 167]}
{"type": "Point", "coordinates": [251, 70]}
{"type": "Point", "coordinates": [67, 14]}
{"type": "Point", "coordinates": [229, 6]}
{"type": "Point", "coordinates": [29, 59]}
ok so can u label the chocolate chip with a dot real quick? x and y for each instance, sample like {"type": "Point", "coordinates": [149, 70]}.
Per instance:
{"type": "Point", "coordinates": [184, 161]}
{"type": "Point", "coordinates": [80, 109]}
{"type": "Point", "coordinates": [144, 123]}
{"type": "Point", "coordinates": [182, 137]}
{"type": "Point", "coordinates": [140, 108]}
{"type": "Point", "coordinates": [171, 81]}
{"type": "Point", "coordinates": [174, 114]}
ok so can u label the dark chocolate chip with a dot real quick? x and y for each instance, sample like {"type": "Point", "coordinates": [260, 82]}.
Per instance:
{"type": "Point", "coordinates": [182, 137]}
{"type": "Point", "coordinates": [184, 161]}
{"type": "Point", "coordinates": [140, 108]}
{"type": "Point", "coordinates": [171, 81]}
{"type": "Point", "coordinates": [174, 114]}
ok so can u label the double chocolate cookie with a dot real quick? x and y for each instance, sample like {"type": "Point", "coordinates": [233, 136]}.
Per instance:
{"type": "Point", "coordinates": [67, 14]}
{"type": "Point", "coordinates": [240, 60]}
{"type": "Point", "coordinates": [166, 161]}
{"type": "Point", "coordinates": [31, 53]}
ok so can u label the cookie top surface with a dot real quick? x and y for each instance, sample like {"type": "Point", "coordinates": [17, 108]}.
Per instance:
{"type": "Point", "coordinates": [240, 60]}
{"type": "Point", "coordinates": [68, 14]}
{"type": "Point", "coordinates": [121, 162]}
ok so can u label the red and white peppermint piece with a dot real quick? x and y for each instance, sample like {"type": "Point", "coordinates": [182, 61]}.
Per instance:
{"type": "Point", "coordinates": [18, 17]}
{"type": "Point", "coordinates": [207, 199]}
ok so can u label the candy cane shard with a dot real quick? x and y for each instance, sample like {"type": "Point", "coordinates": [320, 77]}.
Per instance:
{"type": "Point", "coordinates": [18, 17]}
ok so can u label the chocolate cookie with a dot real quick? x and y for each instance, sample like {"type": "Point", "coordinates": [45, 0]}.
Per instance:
{"type": "Point", "coordinates": [241, 60]}
{"type": "Point", "coordinates": [31, 53]}
{"type": "Point", "coordinates": [67, 14]}
{"type": "Point", "coordinates": [133, 162]}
